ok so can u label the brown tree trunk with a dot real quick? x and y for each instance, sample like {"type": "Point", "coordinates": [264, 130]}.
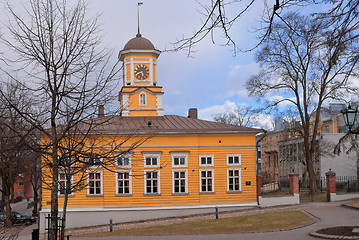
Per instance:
{"type": "Point", "coordinates": [35, 211]}
{"type": "Point", "coordinates": [6, 196]}
{"type": "Point", "coordinates": [67, 192]}
{"type": "Point", "coordinates": [311, 172]}
{"type": "Point", "coordinates": [54, 197]}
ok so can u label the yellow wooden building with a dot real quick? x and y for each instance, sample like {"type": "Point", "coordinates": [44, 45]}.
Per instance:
{"type": "Point", "coordinates": [186, 166]}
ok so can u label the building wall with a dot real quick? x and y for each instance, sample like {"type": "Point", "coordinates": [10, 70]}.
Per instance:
{"type": "Point", "coordinates": [344, 164]}
{"type": "Point", "coordinates": [218, 146]}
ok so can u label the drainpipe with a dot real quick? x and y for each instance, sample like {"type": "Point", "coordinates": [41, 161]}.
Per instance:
{"type": "Point", "coordinates": [258, 140]}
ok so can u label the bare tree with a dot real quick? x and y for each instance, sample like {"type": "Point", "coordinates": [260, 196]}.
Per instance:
{"type": "Point", "coordinates": [14, 152]}
{"type": "Point", "coordinates": [241, 116]}
{"type": "Point", "coordinates": [58, 49]}
{"type": "Point", "coordinates": [307, 67]}
{"type": "Point", "coordinates": [221, 16]}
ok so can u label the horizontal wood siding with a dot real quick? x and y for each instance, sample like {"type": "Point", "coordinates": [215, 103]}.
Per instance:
{"type": "Point", "coordinates": [196, 145]}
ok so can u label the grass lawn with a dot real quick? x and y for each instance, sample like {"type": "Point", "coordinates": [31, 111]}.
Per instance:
{"type": "Point", "coordinates": [354, 203]}
{"type": "Point", "coordinates": [252, 223]}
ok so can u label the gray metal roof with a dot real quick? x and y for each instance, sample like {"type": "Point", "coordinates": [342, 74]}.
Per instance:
{"type": "Point", "coordinates": [165, 125]}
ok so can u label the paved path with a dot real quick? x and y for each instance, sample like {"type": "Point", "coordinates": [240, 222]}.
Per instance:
{"type": "Point", "coordinates": [327, 214]}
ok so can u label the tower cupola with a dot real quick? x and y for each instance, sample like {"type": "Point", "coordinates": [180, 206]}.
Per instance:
{"type": "Point", "coordinates": [140, 94]}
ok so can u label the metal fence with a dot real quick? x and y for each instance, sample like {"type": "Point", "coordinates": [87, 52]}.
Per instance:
{"type": "Point", "coordinates": [342, 184]}
{"type": "Point", "coordinates": [59, 226]}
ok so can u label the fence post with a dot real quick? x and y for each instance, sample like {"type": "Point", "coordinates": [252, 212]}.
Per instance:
{"type": "Point", "coordinates": [330, 183]}
{"type": "Point", "coordinates": [294, 183]}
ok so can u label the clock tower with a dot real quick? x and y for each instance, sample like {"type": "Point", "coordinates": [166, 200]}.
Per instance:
{"type": "Point", "coordinates": [140, 94]}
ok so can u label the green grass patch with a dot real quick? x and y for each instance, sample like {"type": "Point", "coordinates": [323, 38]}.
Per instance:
{"type": "Point", "coordinates": [354, 203]}
{"type": "Point", "coordinates": [251, 223]}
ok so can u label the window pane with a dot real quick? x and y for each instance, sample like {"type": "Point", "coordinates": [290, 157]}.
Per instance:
{"type": "Point", "coordinates": [230, 160]}
{"type": "Point", "coordinates": [209, 174]}
{"type": "Point", "coordinates": [236, 159]}
{"type": "Point", "coordinates": [176, 161]}
{"type": "Point", "coordinates": [182, 161]}
{"type": "Point", "coordinates": [119, 162]}
{"type": "Point", "coordinates": [154, 161]}
{"type": "Point", "coordinates": [148, 161]}
{"type": "Point", "coordinates": [126, 161]}
{"type": "Point", "coordinates": [203, 160]}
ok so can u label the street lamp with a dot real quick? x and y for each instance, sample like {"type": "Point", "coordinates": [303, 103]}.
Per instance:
{"type": "Point", "coordinates": [349, 115]}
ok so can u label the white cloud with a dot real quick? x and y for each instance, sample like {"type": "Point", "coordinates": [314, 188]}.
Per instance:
{"type": "Point", "coordinates": [264, 121]}
{"type": "Point", "coordinates": [207, 113]}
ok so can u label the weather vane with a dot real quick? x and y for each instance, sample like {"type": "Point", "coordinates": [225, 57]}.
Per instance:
{"type": "Point", "coordinates": [138, 18]}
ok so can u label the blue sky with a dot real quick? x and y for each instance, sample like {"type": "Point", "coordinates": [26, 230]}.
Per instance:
{"type": "Point", "coordinates": [212, 80]}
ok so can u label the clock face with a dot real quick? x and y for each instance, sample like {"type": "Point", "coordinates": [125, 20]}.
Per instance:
{"type": "Point", "coordinates": [141, 72]}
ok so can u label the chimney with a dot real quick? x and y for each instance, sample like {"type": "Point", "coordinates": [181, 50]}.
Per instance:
{"type": "Point", "coordinates": [192, 113]}
{"type": "Point", "coordinates": [101, 111]}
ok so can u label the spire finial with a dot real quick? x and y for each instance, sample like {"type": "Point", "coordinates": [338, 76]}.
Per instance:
{"type": "Point", "coordinates": [138, 19]}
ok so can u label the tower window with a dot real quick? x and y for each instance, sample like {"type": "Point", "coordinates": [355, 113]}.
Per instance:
{"type": "Point", "coordinates": [143, 99]}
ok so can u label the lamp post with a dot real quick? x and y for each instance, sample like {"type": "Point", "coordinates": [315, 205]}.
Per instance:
{"type": "Point", "coordinates": [349, 115]}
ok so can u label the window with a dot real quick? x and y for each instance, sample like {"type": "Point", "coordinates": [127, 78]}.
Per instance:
{"type": "Point", "coordinates": [62, 183]}
{"type": "Point", "coordinates": [143, 99]}
{"type": "Point", "coordinates": [152, 159]}
{"type": "Point", "coordinates": [65, 161]}
{"type": "Point", "coordinates": [327, 129]}
{"type": "Point", "coordinates": [206, 181]}
{"type": "Point", "coordinates": [179, 181]}
{"type": "Point", "coordinates": [123, 161]}
{"type": "Point", "coordinates": [233, 159]}
{"type": "Point", "coordinates": [179, 159]}
{"type": "Point", "coordinates": [152, 182]}
{"type": "Point", "coordinates": [206, 160]}
{"type": "Point", "coordinates": [123, 182]}
{"type": "Point", "coordinates": [94, 183]}
{"type": "Point", "coordinates": [234, 180]}
{"type": "Point", "coordinates": [94, 161]}
{"type": "Point", "coordinates": [20, 183]}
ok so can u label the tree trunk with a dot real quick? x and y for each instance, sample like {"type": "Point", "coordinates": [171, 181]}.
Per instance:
{"type": "Point", "coordinates": [35, 211]}
{"type": "Point", "coordinates": [311, 172]}
{"type": "Point", "coordinates": [6, 196]}
{"type": "Point", "coordinates": [54, 198]}
{"type": "Point", "coordinates": [67, 192]}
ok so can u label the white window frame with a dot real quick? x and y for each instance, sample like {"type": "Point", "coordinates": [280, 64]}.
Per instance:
{"type": "Point", "coordinates": [173, 181]}
{"type": "Point", "coordinates": [152, 155]}
{"type": "Point", "coordinates": [206, 165]}
{"type": "Point", "coordinates": [94, 165]}
{"type": "Point", "coordinates": [179, 155]}
{"type": "Point", "coordinates": [72, 182]}
{"type": "Point", "coordinates": [240, 179]}
{"type": "Point", "coordinates": [123, 156]}
{"type": "Point", "coordinates": [200, 180]}
{"type": "Point", "coordinates": [88, 184]}
{"type": "Point", "coordinates": [144, 95]}
{"type": "Point", "coordinates": [158, 183]}
{"type": "Point", "coordinates": [234, 155]}
{"type": "Point", "coordinates": [130, 182]}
